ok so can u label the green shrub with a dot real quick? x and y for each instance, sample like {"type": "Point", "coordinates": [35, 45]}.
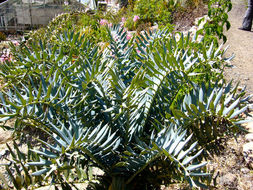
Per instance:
{"type": "Point", "coordinates": [61, 23]}
{"type": "Point", "coordinates": [150, 12]}
{"type": "Point", "coordinates": [217, 11]}
{"type": "Point", "coordinates": [85, 23]}
{"type": "Point", "coordinates": [153, 11]}
{"type": "Point", "coordinates": [2, 36]}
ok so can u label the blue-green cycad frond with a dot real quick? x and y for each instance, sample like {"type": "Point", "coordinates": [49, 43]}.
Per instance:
{"type": "Point", "coordinates": [222, 101]}
{"type": "Point", "coordinates": [120, 53]}
{"type": "Point", "coordinates": [157, 83]}
{"type": "Point", "coordinates": [172, 145]}
{"type": "Point", "coordinates": [217, 109]}
{"type": "Point", "coordinates": [147, 39]}
{"type": "Point", "coordinates": [74, 51]}
{"type": "Point", "coordinates": [119, 42]}
{"type": "Point", "coordinates": [72, 137]}
{"type": "Point", "coordinates": [32, 99]}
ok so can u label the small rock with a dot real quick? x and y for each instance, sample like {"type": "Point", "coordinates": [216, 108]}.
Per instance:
{"type": "Point", "coordinates": [249, 127]}
{"type": "Point", "coordinates": [240, 88]}
{"type": "Point", "coordinates": [2, 153]}
{"type": "Point", "coordinates": [248, 153]}
{"type": "Point", "coordinates": [229, 180]}
{"type": "Point", "coordinates": [249, 137]}
{"type": "Point", "coordinates": [248, 147]}
{"type": "Point", "coordinates": [245, 170]}
{"type": "Point", "coordinates": [97, 171]}
{"type": "Point", "coordinates": [5, 136]}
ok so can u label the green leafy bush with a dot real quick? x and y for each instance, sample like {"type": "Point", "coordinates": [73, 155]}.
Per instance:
{"type": "Point", "coordinates": [150, 12]}
{"type": "Point", "coordinates": [2, 36]}
{"type": "Point", "coordinates": [61, 23]}
{"type": "Point", "coordinates": [153, 11]}
{"type": "Point", "coordinates": [217, 11]}
{"type": "Point", "coordinates": [85, 23]}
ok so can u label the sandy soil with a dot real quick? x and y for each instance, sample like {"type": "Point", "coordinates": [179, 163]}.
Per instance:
{"type": "Point", "coordinates": [230, 167]}
{"type": "Point", "coordinates": [241, 44]}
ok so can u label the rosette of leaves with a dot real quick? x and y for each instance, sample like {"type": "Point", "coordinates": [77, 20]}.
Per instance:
{"type": "Point", "coordinates": [112, 109]}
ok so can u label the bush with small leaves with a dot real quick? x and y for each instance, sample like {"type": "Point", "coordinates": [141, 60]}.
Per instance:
{"type": "Point", "coordinates": [218, 12]}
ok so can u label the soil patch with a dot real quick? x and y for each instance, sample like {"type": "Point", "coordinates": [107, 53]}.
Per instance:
{"type": "Point", "coordinates": [185, 19]}
{"type": "Point", "coordinates": [241, 45]}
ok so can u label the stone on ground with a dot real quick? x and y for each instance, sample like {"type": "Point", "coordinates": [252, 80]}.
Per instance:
{"type": "Point", "coordinates": [248, 153]}
{"type": "Point", "coordinates": [249, 127]}
{"type": "Point", "coordinates": [249, 137]}
{"type": "Point", "coordinates": [5, 136]}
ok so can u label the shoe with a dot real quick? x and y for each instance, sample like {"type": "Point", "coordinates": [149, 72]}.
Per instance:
{"type": "Point", "coordinates": [245, 29]}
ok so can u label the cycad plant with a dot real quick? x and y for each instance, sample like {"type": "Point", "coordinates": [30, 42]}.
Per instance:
{"type": "Point", "coordinates": [132, 110]}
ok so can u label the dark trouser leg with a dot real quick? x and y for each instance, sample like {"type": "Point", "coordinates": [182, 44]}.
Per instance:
{"type": "Point", "coordinates": [247, 21]}
{"type": "Point", "coordinates": [123, 3]}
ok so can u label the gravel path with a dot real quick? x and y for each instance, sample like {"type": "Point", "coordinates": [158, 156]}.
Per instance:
{"type": "Point", "coordinates": [241, 44]}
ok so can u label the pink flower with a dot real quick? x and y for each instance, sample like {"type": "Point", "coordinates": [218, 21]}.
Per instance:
{"type": "Point", "coordinates": [103, 22]}
{"type": "Point", "coordinates": [136, 18]}
{"type": "Point", "coordinates": [6, 54]}
{"type": "Point", "coordinates": [2, 59]}
{"type": "Point", "coordinates": [129, 36]}
{"type": "Point", "coordinates": [110, 24]}
{"type": "Point", "coordinates": [15, 42]}
{"type": "Point", "coordinates": [8, 58]}
{"type": "Point", "coordinates": [138, 51]}
{"type": "Point", "coordinates": [123, 19]}
{"type": "Point", "coordinates": [5, 57]}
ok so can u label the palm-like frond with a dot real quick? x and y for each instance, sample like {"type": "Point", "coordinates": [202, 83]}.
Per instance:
{"type": "Point", "coordinates": [212, 111]}
{"type": "Point", "coordinates": [171, 144]}
{"type": "Point", "coordinates": [96, 145]}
